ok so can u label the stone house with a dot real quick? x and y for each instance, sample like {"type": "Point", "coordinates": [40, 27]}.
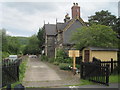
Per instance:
{"type": "Point", "coordinates": [58, 35]}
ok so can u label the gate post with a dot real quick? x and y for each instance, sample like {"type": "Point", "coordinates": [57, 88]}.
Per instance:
{"type": "Point", "coordinates": [111, 65]}
{"type": "Point", "coordinates": [107, 75]}
{"type": "Point", "coordinates": [81, 70]}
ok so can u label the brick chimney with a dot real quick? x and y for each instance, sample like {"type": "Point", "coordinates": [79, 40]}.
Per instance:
{"type": "Point", "coordinates": [75, 10]}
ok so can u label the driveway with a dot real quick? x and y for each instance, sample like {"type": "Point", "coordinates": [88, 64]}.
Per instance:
{"type": "Point", "coordinates": [43, 74]}
{"type": "Point", "coordinates": [38, 71]}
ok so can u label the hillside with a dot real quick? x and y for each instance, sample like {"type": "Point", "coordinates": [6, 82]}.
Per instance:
{"type": "Point", "coordinates": [23, 40]}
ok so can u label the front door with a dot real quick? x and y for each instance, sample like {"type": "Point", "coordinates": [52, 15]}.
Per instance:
{"type": "Point", "coordinates": [86, 56]}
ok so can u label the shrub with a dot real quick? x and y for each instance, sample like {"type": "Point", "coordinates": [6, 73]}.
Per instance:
{"type": "Point", "coordinates": [5, 54]}
{"type": "Point", "coordinates": [64, 66]}
{"type": "Point", "coordinates": [44, 58]}
{"type": "Point", "coordinates": [51, 60]}
{"type": "Point", "coordinates": [77, 66]}
{"type": "Point", "coordinates": [56, 63]}
{"type": "Point", "coordinates": [68, 60]}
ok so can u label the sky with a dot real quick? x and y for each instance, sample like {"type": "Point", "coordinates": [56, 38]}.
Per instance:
{"type": "Point", "coordinates": [24, 18]}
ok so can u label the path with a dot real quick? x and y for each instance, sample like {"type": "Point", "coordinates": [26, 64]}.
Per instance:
{"type": "Point", "coordinates": [40, 74]}
{"type": "Point", "coordinates": [38, 71]}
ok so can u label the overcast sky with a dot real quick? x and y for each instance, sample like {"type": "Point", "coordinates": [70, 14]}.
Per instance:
{"type": "Point", "coordinates": [25, 18]}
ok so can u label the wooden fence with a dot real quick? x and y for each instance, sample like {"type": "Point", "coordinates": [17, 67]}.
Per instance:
{"type": "Point", "coordinates": [95, 73]}
{"type": "Point", "coordinates": [10, 71]}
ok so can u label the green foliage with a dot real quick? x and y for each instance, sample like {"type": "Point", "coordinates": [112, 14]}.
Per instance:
{"type": "Point", "coordinates": [95, 35]}
{"type": "Point", "coordinates": [10, 45]}
{"type": "Point", "coordinates": [5, 54]}
{"type": "Point", "coordinates": [51, 60]}
{"type": "Point", "coordinates": [41, 38]}
{"type": "Point", "coordinates": [103, 18]}
{"type": "Point", "coordinates": [23, 40]}
{"type": "Point", "coordinates": [62, 57]}
{"type": "Point", "coordinates": [44, 58]}
{"type": "Point", "coordinates": [22, 70]}
{"type": "Point", "coordinates": [32, 47]}
{"type": "Point", "coordinates": [64, 66]}
{"type": "Point", "coordinates": [55, 63]}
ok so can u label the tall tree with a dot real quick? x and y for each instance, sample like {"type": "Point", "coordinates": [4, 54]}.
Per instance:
{"type": "Point", "coordinates": [103, 18]}
{"type": "Point", "coordinates": [95, 35]}
{"type": "Point", "coordinates": [33, 46]}
{"type": "Point", "coordinates": [41, 38]}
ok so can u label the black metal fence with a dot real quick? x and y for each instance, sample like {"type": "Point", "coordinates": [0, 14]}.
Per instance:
{"type": "Point", "coordinates": [112, 63]}
{"type": "Point", "coordinates": [10, 71]}
{"type": "Point", "coordinates": [95, 73]}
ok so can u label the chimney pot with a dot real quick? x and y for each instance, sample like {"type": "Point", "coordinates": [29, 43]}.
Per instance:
{"type": "Point", "coordinates": [74, 4]}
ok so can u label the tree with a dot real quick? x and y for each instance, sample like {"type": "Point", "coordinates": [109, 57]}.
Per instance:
{"type": "Point", "coordinates": [103, 18]}
{"type": "Point", "coordinates": [41, 38]}
{"type": "Point", "coordinates": [95, 35]}
{"type": "Point", "coordinates": [33, 46]}
{"type": "Point", "coordinates": [10, 45]}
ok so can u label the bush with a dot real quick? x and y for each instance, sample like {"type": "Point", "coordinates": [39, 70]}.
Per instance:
{"type": "Point", "coordinates": [5, 54]}
{"type": "Point", "coordinates": [44, 58]}
{"type": "Point", "coordinates": [68, 60]}
{"type": "Point", "coordinates": [56, 63]}
{"type": "Point", "coordinates": [51, 60]}
{"type": "Point", "coordinates": [64, 66]}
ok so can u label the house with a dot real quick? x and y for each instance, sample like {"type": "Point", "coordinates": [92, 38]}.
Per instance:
{"type": "Point", "coordinates": [58, 35]}
{"type": "Point", "coordinates": [104, 54]}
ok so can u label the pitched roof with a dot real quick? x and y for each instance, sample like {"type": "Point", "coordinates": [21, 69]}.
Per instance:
{"type": "Point", "coordinates": [50, 29]}
{"type": "Point", "coordinates": [69, 23]}
{"type": "Point", "coordinates": [102, 49]}
{"type": "Point", "coordinates": [59, 26]}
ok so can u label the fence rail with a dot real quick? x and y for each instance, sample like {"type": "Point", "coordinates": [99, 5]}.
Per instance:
{"type": "Point", "coordinates": [95, 73]}
{"type": "Point", "coordinates": [10, 71]}
{"type": "Point", "coordinates": [112, 63]}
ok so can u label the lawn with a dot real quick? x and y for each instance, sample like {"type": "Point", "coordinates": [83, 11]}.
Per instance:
{"type": "Point", "coordinates": [114, 78]}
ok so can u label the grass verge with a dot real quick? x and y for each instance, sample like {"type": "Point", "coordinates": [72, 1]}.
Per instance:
{"type": "Point", "coordinates": [114, 79]}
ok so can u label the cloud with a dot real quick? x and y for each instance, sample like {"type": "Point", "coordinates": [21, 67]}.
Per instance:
{"type": "Point", "coordinates": [25, 18]}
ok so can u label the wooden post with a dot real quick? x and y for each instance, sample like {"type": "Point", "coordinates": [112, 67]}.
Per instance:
{"type": "Point", "coordinates": [111, 65]}
{"type": "Point", "coordinates": [74, 64]}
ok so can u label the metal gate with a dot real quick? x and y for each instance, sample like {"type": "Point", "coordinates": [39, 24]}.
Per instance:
{"type": "Point", "coordinates": [95, 72]}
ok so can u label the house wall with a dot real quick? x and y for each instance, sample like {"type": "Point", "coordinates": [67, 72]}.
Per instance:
{"type": "Point", "coordinates": [104, 55]}
{"type": "Point", "coordinates": [50, 46]}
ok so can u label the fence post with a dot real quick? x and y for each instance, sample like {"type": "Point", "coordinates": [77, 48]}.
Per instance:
{"type": "Point", "coordinates": [111, 65]}
{"type": "Point", "coordinates": [8, 87]}
{"type": "Point", "coordinates": [81, 70]}
{"type": "Point", "coordinates": [107, 75]}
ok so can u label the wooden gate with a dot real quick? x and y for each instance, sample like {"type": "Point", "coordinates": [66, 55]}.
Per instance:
{"type": "Point", "coordinates": [95, 73]}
